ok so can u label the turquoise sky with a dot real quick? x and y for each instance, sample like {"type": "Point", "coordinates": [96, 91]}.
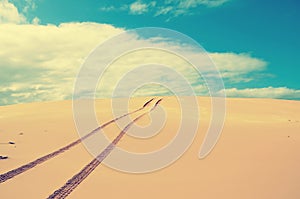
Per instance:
{"type": "Point", "coordinates": [265, 30]}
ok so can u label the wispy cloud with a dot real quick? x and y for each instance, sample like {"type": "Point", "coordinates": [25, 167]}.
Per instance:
{"type": "Point", "coordinates": [268, 92]}
{"type": "Point", "coordinates": [139, 7]}
{"type": "Point", "coordinates": [163, 10]}
{"type": "Point", "coordinates": [184, 7]}
{"type": "Point", "coordinates": [29, 6]}
{"type": "Point", "coordinates": [107, 8]}
{"type": "Point", "coordinates": [171, 8]}
{"type": "Point", "coordinates": [194, 3]}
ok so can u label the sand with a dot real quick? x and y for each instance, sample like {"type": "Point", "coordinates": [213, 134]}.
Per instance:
{"type": "Point", "coordinates": [257, 155]}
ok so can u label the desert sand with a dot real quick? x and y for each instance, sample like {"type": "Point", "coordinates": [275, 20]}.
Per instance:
{"type": "Point", "coordinates": [257, 155]}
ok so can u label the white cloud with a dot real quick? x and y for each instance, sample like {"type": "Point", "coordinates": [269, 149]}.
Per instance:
{"type": "Point", "coordinates": [268, 92]}
{"type": "Point", "coordinates": [108, 8]}
{"type": "Point", "coordinates": [43, 63]}
{"type": "Point", "coordinates": [242, 62]}
{"type": "Point", "coordinates": [194, 3]}
{"type": "Point", "coordinates": [36, 21]}
{"type": "Point", "coordinates": [235, 67]}
{"type": "Point", "coordinates": [172, 8]}
{"type": "Point", "coordinates": [164, 10]}
{"type": "Point", "coordinates": [55, 43]}
{"type": "Point", "coordinates": [176, 8]}
{"type": "Point", "coordinates": [10, 14]}
{"type": "Point", "coordinates": [30, 5]}
{"type": "Point", "coordinates": [139, 7]}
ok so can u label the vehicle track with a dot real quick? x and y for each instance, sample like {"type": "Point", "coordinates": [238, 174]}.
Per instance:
{"type": "Point", "coordinates": [11, 174]}
{"type": "Point", "coordinates": [72, 183]}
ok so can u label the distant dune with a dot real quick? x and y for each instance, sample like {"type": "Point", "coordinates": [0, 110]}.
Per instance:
{"type": "Point", "coordinates": [257, 155]}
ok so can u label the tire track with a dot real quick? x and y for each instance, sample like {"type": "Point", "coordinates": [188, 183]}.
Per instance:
{"type": "Point", "coordinates": [72, 183]}
{"type": "Point", "coordinates": [11, 174]}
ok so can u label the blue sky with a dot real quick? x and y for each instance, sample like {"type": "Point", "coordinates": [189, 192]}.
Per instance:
{"type": "Point", "coordinates": [261, 35]}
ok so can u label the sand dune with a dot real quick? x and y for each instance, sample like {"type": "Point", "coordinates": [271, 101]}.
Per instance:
{"type": "Point", "coordinates": [257, 156]}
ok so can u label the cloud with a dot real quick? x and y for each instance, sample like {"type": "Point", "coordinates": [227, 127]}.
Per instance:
{"type": "Point", "coordinates": [241, 63]}
{"type": "Point", "coordinates": [194, 3]}
{"type": "Point", "coordinates": [139, 7]}
{"type": "Point", "coordinates": [177, 8]}
{"type": "Point", "coordinates": [29, 5]}
{"type": "Point", "coordinates": [164, 10]}
{"type": "Point", "coordinates": [35, 20]}
{"type": "Point", "coordinates": [108, 8]}
{"type": "Point", "coordinates": [172, 8]}
{"type": "Point", "coordinates": [268, 92]}
{"type": "Point", "coordinates": [237, 67]}
{"type": "Point", "coordinates": [10, 14]}
{"type": "Point", "coordinates": [42, 64]}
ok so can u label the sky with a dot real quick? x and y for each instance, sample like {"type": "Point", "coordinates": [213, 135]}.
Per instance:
{"type": "Point", "coordinates": [43, 43]}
